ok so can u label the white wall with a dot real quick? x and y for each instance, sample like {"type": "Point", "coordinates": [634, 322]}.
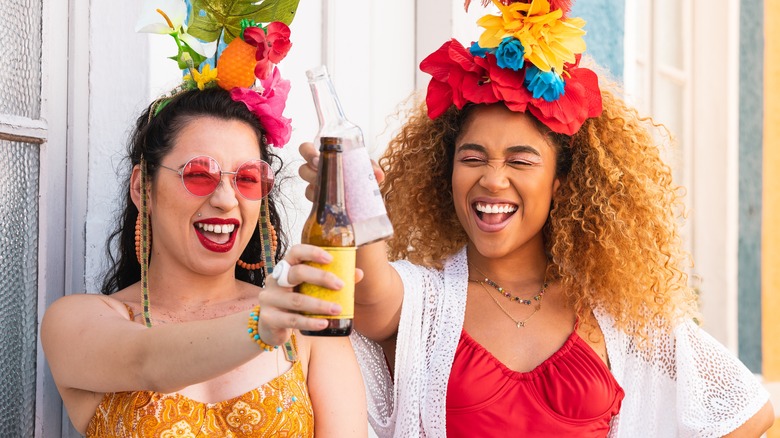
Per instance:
{"type": "Point", "coordinates": [118, 90]}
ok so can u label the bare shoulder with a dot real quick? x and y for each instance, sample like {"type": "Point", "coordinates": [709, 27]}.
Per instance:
{"type": "Point", "coordinates": [590, 331]}
{"type": "Point", "coordinates": [82, 305]}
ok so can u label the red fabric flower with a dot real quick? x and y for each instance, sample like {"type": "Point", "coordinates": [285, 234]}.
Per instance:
{"type": "Point", "coordinates": [508, 85]}
{"type": "Point", "coordinates": [580, 101]}
{"type": "Point", "coordinates": [278, 38]}
{"type": "Point", "coordinates": [458, 78]}
{"type": "Point", "coordinates": [273, 44]}
{"type": "Point", "coordinates": [256, 37]}
{"type": "Point", "coordinates": [268, 105]}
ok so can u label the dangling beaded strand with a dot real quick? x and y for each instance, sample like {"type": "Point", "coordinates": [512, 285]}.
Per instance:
{"type": "Point", "coordinates": [145, 248]}
{"type": "Point", "coordinates": [268, 252]}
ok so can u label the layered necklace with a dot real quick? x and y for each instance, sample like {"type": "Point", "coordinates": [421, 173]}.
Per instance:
{"type": "Point", "coordinates": [513, 298]}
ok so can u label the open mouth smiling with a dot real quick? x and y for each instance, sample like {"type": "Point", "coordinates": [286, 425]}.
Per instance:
{"type": "Point", "coordinates": [217, 235]}
{"type": "Point", "coordinates": [494, 213]}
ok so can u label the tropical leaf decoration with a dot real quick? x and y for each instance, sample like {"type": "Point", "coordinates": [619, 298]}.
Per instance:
{"type": "Point", "coordinates": [211, 19]}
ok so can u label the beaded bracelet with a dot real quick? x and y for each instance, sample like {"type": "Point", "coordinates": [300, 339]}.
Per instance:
{"type": "Point", "coordinates": [254, 333]}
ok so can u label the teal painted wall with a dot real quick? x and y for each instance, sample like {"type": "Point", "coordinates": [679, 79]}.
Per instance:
{"type": "Point", "coordinates": [605, 27]}
{"type": "Point", "coordinates": [751, 115]}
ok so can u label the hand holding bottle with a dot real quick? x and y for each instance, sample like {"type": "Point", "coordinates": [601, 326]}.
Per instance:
{"type": "Point", "coordinates": [308, 170]}
{"type": "Point", "coordinates": [364, 202]}
{"type": "Point", "coordinates": [281, 310]}
{"type": "Point", "coordinates": [330, 228]}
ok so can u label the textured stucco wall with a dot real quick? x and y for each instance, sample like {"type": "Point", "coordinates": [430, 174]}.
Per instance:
{"type": "Point", "coordinates": [605, 27]}
{"type": "Point", "coordinates": [751, 100]}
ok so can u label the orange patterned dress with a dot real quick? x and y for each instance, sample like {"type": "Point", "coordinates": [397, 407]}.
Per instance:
{"type": "Point", "coordinates": [279, 408]}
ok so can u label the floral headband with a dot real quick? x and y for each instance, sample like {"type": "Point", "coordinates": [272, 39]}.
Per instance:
{"type": "Point", "coordinates": [221, 44]}
{"type": "Point", "coordinates": [527, 57]}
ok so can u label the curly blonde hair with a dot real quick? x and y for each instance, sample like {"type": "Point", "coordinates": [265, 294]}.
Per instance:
{"type": "Point", "coordinates": [612, 235]}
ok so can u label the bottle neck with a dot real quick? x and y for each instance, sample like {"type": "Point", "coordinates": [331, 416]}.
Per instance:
{"type": "Point", "coordinates": [331, 181]}
{"type": "Point", "coordinates": [326, 101]}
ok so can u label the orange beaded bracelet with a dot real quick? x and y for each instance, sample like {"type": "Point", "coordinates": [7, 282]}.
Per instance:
{"type": "Point", "coordinates": [254, 333]}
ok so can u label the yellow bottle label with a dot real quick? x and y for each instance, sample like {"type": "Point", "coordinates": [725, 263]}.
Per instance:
{"type": "Point", "coordinates": [343, 265]}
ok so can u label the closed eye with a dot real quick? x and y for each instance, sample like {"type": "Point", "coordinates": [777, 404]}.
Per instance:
{"type": "Point", "coordinates": [519, 163]}
{"type": "Point", "coordinates": [473, 160]}
{"type": "Point", "coordinates": [193, 175]}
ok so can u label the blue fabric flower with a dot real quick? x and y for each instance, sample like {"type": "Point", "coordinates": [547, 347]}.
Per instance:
{"type": "Point", "coordinates": [545, 84]}
{"type": "Point", "coordinates": [476, 50]}
{"type": "Point", "coordinates": [510, 54]}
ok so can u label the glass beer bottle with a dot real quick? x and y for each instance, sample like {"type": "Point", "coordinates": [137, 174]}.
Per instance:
{"type": "Point", "coordinates": [329, 226]}
{"type": "Point", "coordinates": [364, 200]}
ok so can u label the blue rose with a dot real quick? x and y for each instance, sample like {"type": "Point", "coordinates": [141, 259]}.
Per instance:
{"type": "Point", "coordinates": [545, 84]}
{"type": "Point", "coordinates": [510, 54]}
{"type": "Point", "coordinates": [476, 50]}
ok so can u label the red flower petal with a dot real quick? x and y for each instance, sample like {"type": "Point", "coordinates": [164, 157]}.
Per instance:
{"type": "Point", "coordinates": [279, 49]}
{"type": "Point", "coordinates": [566, 114]}
{"type": "Point", "coordinates": [508, 85]}
{"type": "Point", "coordinates": [279, 41]}
{"type": "Point", "coordinates": [461, 56]}
{"type": "Point", "coordinates": [254, 36]}
{"type": "Point", "coordinates": [590, 81]}
{"type": "Point", "coordinates": [438, 98]}
{"type": "Point", "coordinates": [278, 29]}
{"type": "Point", "coordinates": [437, 64]}
{"type": "Point", "coordinates": [263, 68]}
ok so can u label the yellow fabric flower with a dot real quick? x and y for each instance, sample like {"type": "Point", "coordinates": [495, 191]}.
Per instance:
{"type": "Point", "coordinates": [202, 78]}
{"type": "Point", "coordinates": [548, 40]}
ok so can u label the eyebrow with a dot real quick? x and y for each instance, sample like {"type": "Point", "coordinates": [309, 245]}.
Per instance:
{"type": "Point", "coordinates": [511, 149]}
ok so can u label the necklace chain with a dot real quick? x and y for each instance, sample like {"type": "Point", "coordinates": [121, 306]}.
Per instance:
{"type": "Point", "coordinates": [519, 323]}
{"type": "Point", "coordinates": [508, 295]}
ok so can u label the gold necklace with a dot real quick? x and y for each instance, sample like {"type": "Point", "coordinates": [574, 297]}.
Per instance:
{"type": "Point", "coordinates": [518, 323]}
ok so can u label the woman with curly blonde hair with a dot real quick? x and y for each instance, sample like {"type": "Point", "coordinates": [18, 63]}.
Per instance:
{"type": "Point", "coordinates": [537, 284]}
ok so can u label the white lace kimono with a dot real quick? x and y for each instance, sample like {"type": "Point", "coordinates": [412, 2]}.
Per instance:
{"type": "Point", "coordinates": [689, 385]}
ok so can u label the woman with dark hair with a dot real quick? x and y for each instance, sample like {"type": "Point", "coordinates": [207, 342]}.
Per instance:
{"type": "Point", "coordinates": [188, 338]}
{"type": "Point", "coordinates": [537, 284]}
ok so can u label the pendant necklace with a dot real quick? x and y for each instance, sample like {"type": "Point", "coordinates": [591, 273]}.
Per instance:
{"type": "Point", "coordinates": [519, 323]}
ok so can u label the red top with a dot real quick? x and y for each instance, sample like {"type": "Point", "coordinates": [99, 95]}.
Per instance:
{"type": "Point", "coordinates": [571, 394]}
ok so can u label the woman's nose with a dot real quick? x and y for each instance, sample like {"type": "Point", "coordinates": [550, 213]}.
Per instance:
{"type": "Point", "coordinates": [494, 178]}
{"type": "Point", "coordinates": [225, 196]}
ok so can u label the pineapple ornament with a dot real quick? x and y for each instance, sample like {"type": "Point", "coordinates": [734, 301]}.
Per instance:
{"type": "Point", "coordinates": [236, 64]}
{"type": "Point", "coordinates": [252, 54]}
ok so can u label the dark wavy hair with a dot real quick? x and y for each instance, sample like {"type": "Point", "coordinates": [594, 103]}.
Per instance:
{"type": "Point", "coordinates": [153, 138]}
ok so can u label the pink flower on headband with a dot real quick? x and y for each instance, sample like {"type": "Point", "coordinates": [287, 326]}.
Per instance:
{"type": "Point", "coordinates": [268, 104]}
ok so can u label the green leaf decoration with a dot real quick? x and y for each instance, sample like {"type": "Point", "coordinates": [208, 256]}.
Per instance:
{"type": "Point", "coordinates": [211, 19]}
{"type": "Point", "coordinates": [194, 56]}
{"type": "Point", "coordinates": [186, 57]}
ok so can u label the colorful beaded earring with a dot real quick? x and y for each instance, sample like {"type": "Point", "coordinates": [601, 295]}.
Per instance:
{"type": "Point", "coordinates": [138, 237]}
{"type": "Point", "coordinates": [268, 251]}
{"type": "Point", "coordinates": [268, 240]}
